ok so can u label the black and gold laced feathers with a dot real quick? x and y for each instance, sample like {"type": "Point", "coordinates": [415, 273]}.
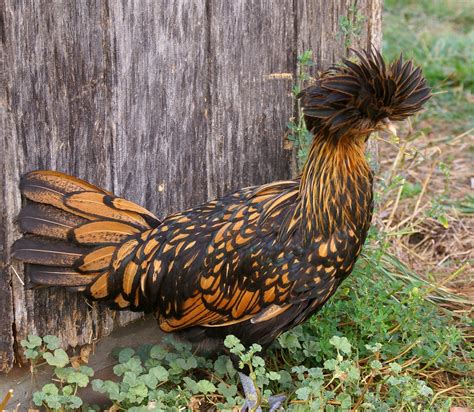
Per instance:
{"type": "Point", "coordinates": [355, 97]}
{"type": "Point", "coordinates": [253, 263]}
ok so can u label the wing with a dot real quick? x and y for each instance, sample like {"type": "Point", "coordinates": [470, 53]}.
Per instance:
{"type": "Point", "coordinates": [236, 246]}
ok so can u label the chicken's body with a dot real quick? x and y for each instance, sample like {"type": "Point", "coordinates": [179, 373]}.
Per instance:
{"type": "Point", "coordinates": [254, 263]}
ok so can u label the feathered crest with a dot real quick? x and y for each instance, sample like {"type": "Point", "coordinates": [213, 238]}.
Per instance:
{"type": "Point", "coordinates": [357, 96]}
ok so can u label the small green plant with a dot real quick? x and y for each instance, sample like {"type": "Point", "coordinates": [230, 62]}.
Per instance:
{"type": "Point", "coordinates": [350, 26]}
{"type": "Point", "coordinates": [299, 134]}
{"type": "Point", "coordinates": [256, 365]}
{"type": "Point", "coordinates": [162, 377]}
{"type": "Point", "coordinates": [61, 394]}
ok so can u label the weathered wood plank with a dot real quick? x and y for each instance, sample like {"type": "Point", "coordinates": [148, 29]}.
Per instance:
{"type": "Point", "coordinates": [6, 299]}
{"type": "Point", "coordinates": [249, 40]}
{"type": "Point", "coordinates": [159, 102]}
{"type": "Point", "coordinates": [319, 28]}
{"type": "Point", "coordinates": [59, 100]}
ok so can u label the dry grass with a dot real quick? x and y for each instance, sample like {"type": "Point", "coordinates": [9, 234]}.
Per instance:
{"type": "Point", "coordinates": [427, 211]}
{"type": "Point", "coordinates": [427, 181]}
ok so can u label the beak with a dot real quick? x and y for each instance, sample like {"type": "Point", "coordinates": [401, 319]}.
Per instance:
{"type": "Point", "coordinates": [389, 127]}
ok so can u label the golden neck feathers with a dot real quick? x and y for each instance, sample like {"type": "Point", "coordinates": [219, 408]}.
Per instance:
{"type": "Point", "coordinates": [336, 186]}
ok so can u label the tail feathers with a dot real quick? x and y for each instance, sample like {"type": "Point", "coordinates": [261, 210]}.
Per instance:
{"type": "Point", "coordinates": [75, 231]}
{"type": "Point", "coordinates": [48, 221]}
{"type": "Point", "coordinates": [49, 252]}
{"type": "Point", "coordinates": [83, 199]}
{"type": "Point", "coordinates": [102, 232]}
{"type": "Point", "coordinates": [57, 276]}
{"type": "Point", "coordinates": [97, 260]}
{"type": "Point", "coordinates": [49, 187]}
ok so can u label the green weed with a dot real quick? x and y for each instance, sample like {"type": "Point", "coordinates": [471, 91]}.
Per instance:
{"type": "Point", "coordinates": [61, 393]}
{"type": "Point", "coordinates": [438, 35]}
{"type": "Point", "coordinates": [298, 133]}
{"type": "Point", "coordinates": [350, 26]}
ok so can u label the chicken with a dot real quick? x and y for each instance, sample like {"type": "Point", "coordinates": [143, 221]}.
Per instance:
{"type": "Point", "coordinates": [253, 263]}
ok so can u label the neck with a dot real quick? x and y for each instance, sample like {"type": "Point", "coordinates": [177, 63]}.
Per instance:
{"type": "Point", "coordinates": [336, 186]}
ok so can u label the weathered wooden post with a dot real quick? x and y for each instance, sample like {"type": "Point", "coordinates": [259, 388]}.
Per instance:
{"type": "Point", "coordinates": [167, 103]}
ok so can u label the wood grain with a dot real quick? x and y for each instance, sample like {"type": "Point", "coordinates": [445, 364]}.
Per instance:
{"type": "Point", "coordinates": [167, 103]}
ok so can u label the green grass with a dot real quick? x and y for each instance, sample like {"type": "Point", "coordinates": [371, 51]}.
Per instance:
{"type": "Point", "coordinates": [439, 35]}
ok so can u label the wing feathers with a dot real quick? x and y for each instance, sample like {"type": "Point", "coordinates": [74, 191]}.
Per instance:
{"type": "Point", "coordinates": [269, 313]}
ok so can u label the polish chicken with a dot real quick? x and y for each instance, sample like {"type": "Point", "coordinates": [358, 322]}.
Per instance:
{"type": "Point", "coordinates": [253, 263]}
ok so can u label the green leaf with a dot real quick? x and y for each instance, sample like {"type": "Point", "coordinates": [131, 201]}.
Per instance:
{"type": "Point", "coordinates": [187, 364]}
{"type": "Point", "coordinates": [227, 391]}
{"type": "Point", "coordinates": [330, 364]}
{"type": "Point", "coordinates": [38, 398]}
{"type": "Point", "coordinates": [32, 342]}
{"type": "Point", "coordinates": [410, 190]}
{"type": "Point", "coordinates": [346, 401]}
{"type": "Point", "coordinates": [125, 355]}
{"type": "Point", "coordinates": [31, 354]}
{"type": "Point", "coordinates": [395, 367]}
{"type": "Point", "coordinates": [317, 405]}
{"type": "Point", "coordinates": [149, 380]}
{"type": "Point", "coordinates": [191, 385]}
{"type": "Point", "coordinates": [258, 361]}
{"type": "Point", "coordinates": [353, 374]}
{"type": "Point", "coordinates": [137, 392]}
{"type": "Point", "coordinates": [63, 373]}
{"type": "Point", "coordinates": [425, 390]}
{"type": "Point", "coordinates": [132, 365]}
{"type": "Point", "coordinates": [233, 343]}
{"type": "Point", "coordinates": [98, 385]}
{"type": "Point", "coordinates": [78, 378]}
{"type": "Point", "coordinates": [443, 220]}
{"type": "Point", "coordinates": [160, 373]}
{"type": "Point", "coordinates": [273, 376]}
{"type": "Point", "coordinates": [289, 341]}
{"type": "Point", "coordinates": [74, 402]}
{"type": "Point", "coordinates": [158, 352]}
{"type": "Point", "coordinates": [285, 377]}
{"type": "Point", "coordinates": [50, 389]}
{"type": "Point", "coordinates": [52, 342]}
{"type": "Point", "coordinates": [220, 365]}
{"type": "Point", "coordinates": [108, 387]}
{"type": "Point", "coordinates": [374, 348]}
{"type": "Point", "coordinates": [303, 393]}
{"type": "Point", "coordinates": [204, 387]}
{"type": "Point", "coordinates": [68, 390]}
{"type": "Point", "coordinates": [59, 358]}
{"type": "Point", "coordinates": [86, 370]}
{"type": "Point", "coordinates": [53, 401]}
{"type": "Point", "coordinates": [130, 378]}
{"type": "Point", "coordinates": [376, 364]}
{"type": "Point", "coordinates": [341, 343]}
